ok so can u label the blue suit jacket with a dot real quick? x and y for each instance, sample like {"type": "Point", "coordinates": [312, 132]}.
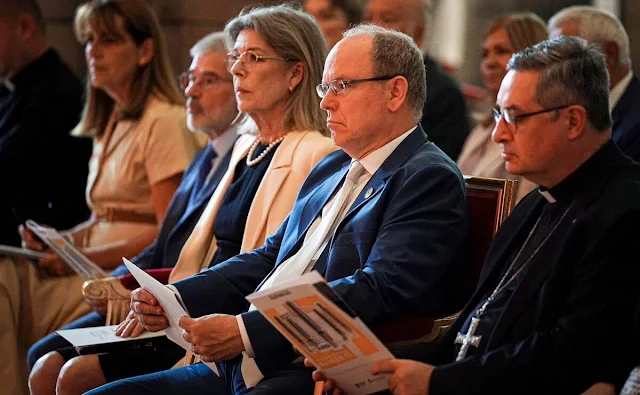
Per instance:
{"type": "Point", "coordinates": [186, 207]}
{"type": "Point", "coordinates": [397, 252]}
{"type": "Point", "coordinates": [626, 121]}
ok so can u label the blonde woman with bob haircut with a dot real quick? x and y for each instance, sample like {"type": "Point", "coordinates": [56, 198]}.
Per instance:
{"type": "Point", "coordinates": [276, 60]}
{"type": "Point", "coordinates": [135, 114]}
{"type": "Point", "coordinates": [507, 35]}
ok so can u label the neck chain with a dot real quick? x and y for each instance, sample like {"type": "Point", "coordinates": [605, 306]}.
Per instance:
{"type": "Point", "coordinates": [469, 339]}
{"type": "Point", "coordinates": [252, 150]}
{"type": "Point", "coordinates": [504, 281]}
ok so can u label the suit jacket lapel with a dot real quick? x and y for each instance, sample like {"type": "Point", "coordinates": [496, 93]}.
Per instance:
{"type": "Point", "coordinates": [377, 182]}
{"type": "Point", "coordinates": [628, 98]}
{"type": "Point", "coordinates": [269, 188]}
{"type": "Point", "coordinates": [202, 196]}
{"type": "Point", "coordinates": [312, 208]}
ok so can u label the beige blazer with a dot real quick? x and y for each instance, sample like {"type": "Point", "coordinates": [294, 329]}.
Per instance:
{"type": "Point", "coordinates": [481, 157]}
{"type": "Point", "coordinates": [292, 162]}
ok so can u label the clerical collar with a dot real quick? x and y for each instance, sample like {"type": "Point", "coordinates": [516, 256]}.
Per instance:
{"type": "Point", "coordinates": [590, 170]}
{"type": "Point", "coordinates": [36, 69]}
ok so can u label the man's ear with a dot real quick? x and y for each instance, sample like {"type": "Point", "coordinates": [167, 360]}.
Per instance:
{"type": "Point", "coordinates": [576, 121]}
{"type": "Point", "coordinates": [398, 89]}
{"type": "Point", "coordinates": [145, 52]}
{"type": "Point", "coordinates": [612, 53]}
{"type": "Point", "coordinates": [27, 27]}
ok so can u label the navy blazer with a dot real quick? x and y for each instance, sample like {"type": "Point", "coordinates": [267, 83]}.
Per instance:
{"type": "Point", "coordinates": [626, 121]}
{"type": "Point", "coordinates": [398, 251]}
{"type": "Point", "coordinates": [186, 207]}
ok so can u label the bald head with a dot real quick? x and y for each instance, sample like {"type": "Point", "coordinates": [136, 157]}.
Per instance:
{"type": "Point", "coordinates": [406, 16]}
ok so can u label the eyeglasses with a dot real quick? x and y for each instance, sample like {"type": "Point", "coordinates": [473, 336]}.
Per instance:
{"type": "Point", "coordinates": [512, 120]}
{"type": "Point", "coordinates": [338, 86]}
{"type": "Point", "coordinates": [250, 58]}
{"type": "Point", "coordinates": [189, 78]}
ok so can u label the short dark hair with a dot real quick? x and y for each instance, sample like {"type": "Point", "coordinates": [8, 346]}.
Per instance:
{"type": "Point", "coordinates": [352, 9]}
{"type": "Point", "coordinates": [573, 72]}
{"type": "Point", "coordinates": [13, 8]}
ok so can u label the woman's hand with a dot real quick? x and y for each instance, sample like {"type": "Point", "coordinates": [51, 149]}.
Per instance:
{"type": "Point", "coordinates": [30, 240]}
{"type": "Point", "coordinates": [54, 265]}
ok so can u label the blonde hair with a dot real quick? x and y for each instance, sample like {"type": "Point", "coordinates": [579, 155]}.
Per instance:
{"type": "Point", "coordinates": [293, 34]}
{"type": "Point", "coordinates": [523, 29]}
{"type": "Point", "coordinates": [154, 78]}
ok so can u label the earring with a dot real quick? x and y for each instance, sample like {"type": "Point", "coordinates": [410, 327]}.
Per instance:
{"type": "Point", "coordinates": [290, 89]}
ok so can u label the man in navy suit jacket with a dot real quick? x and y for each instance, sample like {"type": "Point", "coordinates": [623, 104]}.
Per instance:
{"type": "Point", "coordinates": [211, 109]}
{"type": "Point", "coordinates": [398, 250]}
{"type": "Point", "coordinates": [603, 28]}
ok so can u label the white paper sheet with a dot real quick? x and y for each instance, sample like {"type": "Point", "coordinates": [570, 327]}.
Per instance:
{"type": "Point", "coordinates": [170, 304]}
{"type": "Point", "coordinates": [81, 337]}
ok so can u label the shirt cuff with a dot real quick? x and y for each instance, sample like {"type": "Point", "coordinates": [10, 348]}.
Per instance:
{"type": "Point", "coordinates": [248, 349]}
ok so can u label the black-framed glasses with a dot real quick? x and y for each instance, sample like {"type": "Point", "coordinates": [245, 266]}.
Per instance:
{"type": "Point", "coordinates": [512, 119]}
{"type": "Point", "coordinates": [250, 58]}
{"type": "Point", "coordinates": [338, 86]}
{"type": "Point", "coordinates": [205, 80]}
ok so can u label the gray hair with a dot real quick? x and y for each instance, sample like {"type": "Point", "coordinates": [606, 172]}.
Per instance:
{"type": "Point", "coordinates": [395, 53]}
{"type": "Point", "coordinates": [292, 34]}
{"type": "Point", "coordinates": [572, 72]}
{"type": "Point", "coordinates": [211, 43]}
{"type": "Point", "coordinates": [596, 26]}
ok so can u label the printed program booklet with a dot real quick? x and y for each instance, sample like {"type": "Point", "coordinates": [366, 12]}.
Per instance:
{"type": "Point", "coordinates": [69, 253]}
{"type": "Point", "coordinates": [318, 323]}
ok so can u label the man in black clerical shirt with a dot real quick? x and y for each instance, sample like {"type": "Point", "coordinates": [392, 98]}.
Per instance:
{"type": "Point", "coordinates": [43, 170]}
{"type": "Point", "coordinates": [554, 305]}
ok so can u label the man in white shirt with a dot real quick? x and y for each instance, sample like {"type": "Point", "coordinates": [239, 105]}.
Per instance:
{"type": "Point", "coordinates": [604, 29]}
{"type": "Point", "coordinates": [383, 220]}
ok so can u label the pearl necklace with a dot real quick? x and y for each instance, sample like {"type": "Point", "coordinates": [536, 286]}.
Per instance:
{"type": "Point", "coordinates": [252, 150]}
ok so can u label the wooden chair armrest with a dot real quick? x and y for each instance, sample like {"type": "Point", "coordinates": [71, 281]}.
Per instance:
{"type": "Point", "coordinates": [108, 288]}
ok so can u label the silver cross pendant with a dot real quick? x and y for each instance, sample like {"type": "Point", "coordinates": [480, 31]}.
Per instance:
{"type": "Point", "coordinates": [468, 340]}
